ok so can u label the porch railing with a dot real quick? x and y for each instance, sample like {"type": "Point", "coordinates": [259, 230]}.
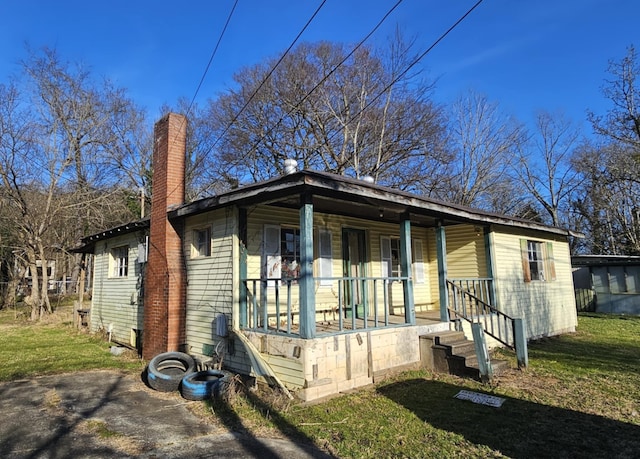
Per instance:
{"type": "Point", "coordinates": [272, 305]}
{"type": "Point", "coordinates": [469, 300]}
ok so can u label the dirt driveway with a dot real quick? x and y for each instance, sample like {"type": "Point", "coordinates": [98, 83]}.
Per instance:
{"type": "Point", "coordinates": [107, 414]}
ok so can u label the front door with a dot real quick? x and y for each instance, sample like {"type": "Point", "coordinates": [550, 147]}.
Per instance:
{"type": "Point", "coordinates": [354, 262]}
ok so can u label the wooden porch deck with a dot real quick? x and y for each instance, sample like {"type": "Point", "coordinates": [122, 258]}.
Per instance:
{"type": "Point", "coordinates": [331, 325]}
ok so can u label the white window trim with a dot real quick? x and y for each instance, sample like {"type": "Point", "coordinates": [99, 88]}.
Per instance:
{"type": "Point", "coordinates": [119, 263]}
{"type": "Point", "coordinates": [195, 249]}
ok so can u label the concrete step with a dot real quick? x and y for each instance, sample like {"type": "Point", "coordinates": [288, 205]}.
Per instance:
{"type": "Point", "coordinates": [452, 353]}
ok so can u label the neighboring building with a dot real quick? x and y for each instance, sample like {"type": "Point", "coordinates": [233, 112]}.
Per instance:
{"type": "Point", "coordinates": [607, 283]}
{"type": "Point", "coordinates": [320, 281]}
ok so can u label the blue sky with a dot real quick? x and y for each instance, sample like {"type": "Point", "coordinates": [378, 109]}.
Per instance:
{"type": "Point", "coordinates": [525, 55]}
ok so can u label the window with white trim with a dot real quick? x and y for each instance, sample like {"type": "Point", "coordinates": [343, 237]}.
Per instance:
{"type": "Point", "coordinates": [281, 252]}
{"type": "Point", "coordinates": [325, 257]}
{"type": "Point", "coordinates": [201, 244]}
{"type": "Point", "coordinates": [537, 260]}
{"type": "Point", "coordinates": [391, 258]}
{"type": "Point", "coordinates": [119, 259]}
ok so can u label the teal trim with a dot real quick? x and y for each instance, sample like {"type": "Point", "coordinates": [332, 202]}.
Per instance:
{"type": "Point", "coordinates": [482, 352]}
{"type": "Point", "coordinates": [488, 253]}
{"type": "Point", "coordinates": [307, 293]}
{"type": "Point", "coordinates": [242, 236]}
{"type": "Point", "coordinates": [405, 266]}
{"type": "Point", "coordinates": [520, 343]}
{"type": "Point", "coordinates": [441, 254]}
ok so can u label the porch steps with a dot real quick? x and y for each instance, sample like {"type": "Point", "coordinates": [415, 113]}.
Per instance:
{"type": "Point", "coordinates": [451, 352]}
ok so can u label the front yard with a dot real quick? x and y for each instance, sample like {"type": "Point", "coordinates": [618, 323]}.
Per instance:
{"type": "Point", "coordinates": [580, 397]}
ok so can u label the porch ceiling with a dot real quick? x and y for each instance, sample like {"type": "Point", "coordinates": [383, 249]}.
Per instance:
{"type": "Point", "coordinates": [360, 207]}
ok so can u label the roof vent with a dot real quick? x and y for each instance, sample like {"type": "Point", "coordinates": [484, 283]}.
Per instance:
{"type": "Point", "coordinates": [290, 166]}
{"type": "Point", "coordinates": [368, 179]}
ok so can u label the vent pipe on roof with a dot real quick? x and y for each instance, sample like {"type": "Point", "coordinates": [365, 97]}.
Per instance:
{"type": "Point", "coordinates": [290, 166]}
{"type": "Point", "coordinates": [368, 179]}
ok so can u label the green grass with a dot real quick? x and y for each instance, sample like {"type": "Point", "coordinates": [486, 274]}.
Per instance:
{"type": "Point", "coordinates": [28, 349]}
{"type": "Point", "coordinates": [580, 397]}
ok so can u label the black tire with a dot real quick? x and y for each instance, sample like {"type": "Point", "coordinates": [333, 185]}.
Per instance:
{"type": "Point", "coordinates": [201, 385]}
{"type": "Point", "coordinates": [165, 371]}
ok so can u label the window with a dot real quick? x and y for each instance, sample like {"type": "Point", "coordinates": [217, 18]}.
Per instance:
{"type": "Point", "coordinates": [201, 246]}
{"type": "Point", "coordinates": [392, 259]}
{"type": "Point", "coordinates": [325, 257]}
{"type": "Point", "coordinates": [537, 260]}
{"type": "Point", "coordinates": [281, 253]}
{"type": "Point", "coordinates": [120, 261]}
{"type": "Point", "coordinates": [290, 252]}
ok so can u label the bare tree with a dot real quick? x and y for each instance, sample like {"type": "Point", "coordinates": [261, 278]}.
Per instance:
{"type": "Point", "coordinates": [544, 168]}
{"type": "Point", "coordinates": [349, 113]}
{"type": "Point", "coordinates": [482, 140]}
{"type": "Point", "coordinates": [63, 140]}
{"type": "Point", "coordinates": [622, 121]}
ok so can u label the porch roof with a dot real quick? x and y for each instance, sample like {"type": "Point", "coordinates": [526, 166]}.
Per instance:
{"type": "Point", "coordinates": [342, 195]}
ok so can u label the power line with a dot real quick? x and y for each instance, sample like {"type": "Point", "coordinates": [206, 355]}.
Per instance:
{"type": "Point", "coordinates": [213, 54]}
{"type": "Point", "coordinates": [377, 26]}
{"type": "Point", "coordinates": [264, 80]}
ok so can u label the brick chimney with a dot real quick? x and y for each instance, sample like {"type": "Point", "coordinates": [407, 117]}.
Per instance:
{"type": "Point", "coordinates": [165, 278]}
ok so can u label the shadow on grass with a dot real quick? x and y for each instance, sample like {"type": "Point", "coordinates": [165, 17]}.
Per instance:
{"type": "Point", "coordinates": [518, 429]}
{"type": "Point", "coordinates": [252, 445]}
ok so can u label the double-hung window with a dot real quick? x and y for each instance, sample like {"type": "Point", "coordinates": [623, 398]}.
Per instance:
{"type": "Point", "coordinates": [537, 260]}
{"type": "Point", "coordinates": [281, 254]}
{"type": "Point", "coordinates": [120, 261]}
{"type": "Point", "coordinates": [391, 258]}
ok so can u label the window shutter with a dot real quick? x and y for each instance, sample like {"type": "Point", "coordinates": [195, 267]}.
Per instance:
{"type": "Point", "coordinates": [418, 262]}
{"type": "Point", "coordinates": [551, 264]}
{"type": "Point", "coordinates": [385, 256]}
{"type": "Point", "coordinates": [525, 260]}
{"type": "Point", "coordinates": [271, 246]}
{"type": "Point", "coordinates": [325, 262]}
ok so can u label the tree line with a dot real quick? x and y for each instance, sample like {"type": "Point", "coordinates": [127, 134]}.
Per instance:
{"type": "Point", "coordinates": [75, 150]}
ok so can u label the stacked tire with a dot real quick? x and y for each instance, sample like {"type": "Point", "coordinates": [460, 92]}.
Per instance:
{"type": "Point", "coordinates": [165, 371]}
{"type": "Point", "coordinates": [171, 371]}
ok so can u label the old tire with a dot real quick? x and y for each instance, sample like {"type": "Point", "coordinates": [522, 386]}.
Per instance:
{"type": "Point", "coordinates": [165, 371]}
{"type": "Point", "coordinates": [200, 385]}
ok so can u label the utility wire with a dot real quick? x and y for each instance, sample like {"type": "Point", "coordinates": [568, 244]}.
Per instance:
{"type": "Point", "coordinates": [264, 80]}
{"type": "Point", "coordinates": [213, 54]}
{"type": "Point", "coordinates": [410, 66]}
{"type": "Point", "coordinates": [377, 26]}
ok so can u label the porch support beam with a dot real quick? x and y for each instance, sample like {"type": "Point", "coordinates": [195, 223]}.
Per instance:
{"type": "Point", "coordinates": [405, 266]}
{"type": "Point", "coordinates": [488, 253]}
{"type": "Point", "coordinates": [242, 236]}
{"type": "Point", "coordinates": [307, 293]}
{"type": "Point", "coordinates": [441, 254]}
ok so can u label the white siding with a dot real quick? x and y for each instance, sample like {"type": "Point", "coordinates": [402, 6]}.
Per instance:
{"type": "Point", "coordinates": [116, 301]}
{"type": "Point", "coordinates": [548, 307]}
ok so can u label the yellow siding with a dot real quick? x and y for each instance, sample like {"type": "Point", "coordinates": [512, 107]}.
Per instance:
{"type": "Point", "coordinates": [466, 256]}
{"type": "Point", "coordinates": [116, 302]}
{"type": "Point", "coordinates": [327, 296]}
{"type": "Point", "coordinates": [548, 307]}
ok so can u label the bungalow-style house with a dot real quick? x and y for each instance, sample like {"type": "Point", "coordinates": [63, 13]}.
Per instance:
{"type": "Point", "coordinates": [319, 281]}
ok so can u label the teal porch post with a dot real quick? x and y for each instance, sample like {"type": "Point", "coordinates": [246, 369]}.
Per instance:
{"type": "Point", "coordinates": [405, 266]}
{"type": "Point", "coordinates": [307, 293]}
{"type": "Point", "coordinates": [242, 230]}
{"type": "Point", "coordinates": [441, 254]}
{"type": "Point", "coordinates": [488, 253]}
